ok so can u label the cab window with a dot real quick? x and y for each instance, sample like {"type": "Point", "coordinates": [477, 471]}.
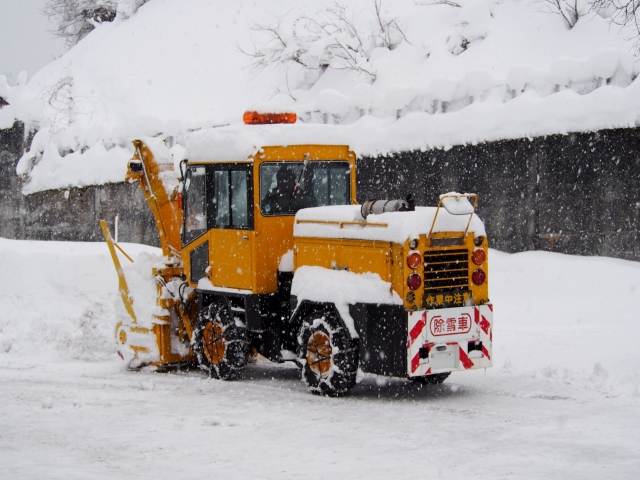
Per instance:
{"type": "Point", "coordinates": [216, 196]}
{"type": "Point", "coordinates": [286, 187]}
{"type": "Point", "coordinates": [194, 201]}
{"type": "Point", "coordinates": [229, 206]}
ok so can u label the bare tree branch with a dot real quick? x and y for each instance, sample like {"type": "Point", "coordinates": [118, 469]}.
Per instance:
{"type": "Point", "coordinates": [624, 13]}
{"type": "Point", "coordinates": [569, 10]}
{"type": "Point", "coordinates": [76, 18]}
{"type": "Point", "coordinates": [329, 38]}
{"type": "Point", "coordinates": [438, 2]}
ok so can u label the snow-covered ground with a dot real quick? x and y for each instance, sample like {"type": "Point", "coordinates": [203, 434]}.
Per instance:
{"type": "Point", "coordinates": [561, 402]}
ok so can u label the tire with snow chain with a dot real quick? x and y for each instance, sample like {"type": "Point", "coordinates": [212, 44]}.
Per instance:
{"type": "Point", "coordinates": [328, 354]}
{"type": "Point", "coordinates": [435, 379]}
{"type": "Point", "coordinates": [222, 346]}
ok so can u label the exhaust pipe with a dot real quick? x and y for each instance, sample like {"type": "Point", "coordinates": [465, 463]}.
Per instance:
{"type": "Point", "coordinates": [377, 207]}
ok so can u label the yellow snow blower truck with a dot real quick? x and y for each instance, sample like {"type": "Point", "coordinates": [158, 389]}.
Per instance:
{"type": "Point", "coordinates": [265, 251]}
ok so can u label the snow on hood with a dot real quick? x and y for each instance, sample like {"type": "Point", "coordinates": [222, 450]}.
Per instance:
{"type": "Point", "coordinates": [342, 289]}
{"type": "Point", "coordinates": [391, 227]}
{"type": "Point", "coordinates": [486, 71]}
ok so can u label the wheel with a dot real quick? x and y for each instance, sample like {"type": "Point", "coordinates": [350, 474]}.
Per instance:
{"type": "Point", "coordinates": [328, 354]}
{"type": "Point", "coordinates": [435, 379]}
{"type": "Point", "coordinates": [222, 347]}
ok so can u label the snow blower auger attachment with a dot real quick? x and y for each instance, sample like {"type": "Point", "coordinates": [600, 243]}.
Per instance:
{"type": "Point", "coordinates": [271, 253]}
{"type": "Point", "coordinates": [146, 333]}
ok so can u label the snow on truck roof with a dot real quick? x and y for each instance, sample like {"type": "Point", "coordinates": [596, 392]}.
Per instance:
{"type": "Point", "coordinates": [241, 142]}
{"type": "Point", "coordinates": [345, 221]}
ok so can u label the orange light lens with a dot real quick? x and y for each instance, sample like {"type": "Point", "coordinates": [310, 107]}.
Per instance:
{"type": "Point", "coordinates": [478, 257]}
{"type": "Point", "coordinates": [255, 118]}
{"type": "Point", "coordinates": [478, 277]}
{"type": "Point", "coordinates": [414, 260]}
{"type": "Point", "coordinates": [414, 281]}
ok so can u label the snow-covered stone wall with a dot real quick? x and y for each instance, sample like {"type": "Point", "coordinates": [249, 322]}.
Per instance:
{"type": "Point", "coordinates": [566, 193]}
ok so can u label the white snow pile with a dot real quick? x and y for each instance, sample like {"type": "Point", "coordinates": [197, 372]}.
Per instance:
{"type": "Point", "coordinates": [413, 76]}
{"type": "Point", "coordinates": [58, 300]}
{"type": "Point", "coordinates": [321, 285]}
{"type": "Point", "coordinates": [22, 103]}
{"type": "Point", "coordinates": [335, 221]}
{"type": "Point", "coordinates": [567, 318]}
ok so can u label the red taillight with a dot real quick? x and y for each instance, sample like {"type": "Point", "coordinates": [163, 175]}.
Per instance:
{"type": "Point", "coordinates": [414, 260]}
{"type": "Point", "coordinates": [255, 118]}
{"type": "Point", "coordinates": [478, 277]}
{"type": "Point", "coordinates": [478, 257]}
{"type": "Point", "coordinates": [414, 281]}
{"type": "Point", "coordinates": [179, 200]}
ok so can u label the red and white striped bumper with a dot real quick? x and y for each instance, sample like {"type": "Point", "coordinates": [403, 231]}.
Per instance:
{"type": "Point", "coordinates": [449, 339]}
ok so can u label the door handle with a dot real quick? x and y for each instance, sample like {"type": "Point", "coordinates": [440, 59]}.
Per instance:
{"type": "Point", "coordinates": [246, 237]}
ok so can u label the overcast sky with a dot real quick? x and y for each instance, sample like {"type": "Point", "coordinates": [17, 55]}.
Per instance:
{"type": "Point", "coordinates": [25, 41]}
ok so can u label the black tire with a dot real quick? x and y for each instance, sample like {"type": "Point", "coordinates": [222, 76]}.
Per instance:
{"type": "Point", "coordinates": [328, 354]}
{"type": "Point", "coordinates": [435, 379]}
{"type": "Point", "coordinates": [221, 346]}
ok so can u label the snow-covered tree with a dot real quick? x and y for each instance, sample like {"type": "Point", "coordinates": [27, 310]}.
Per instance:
{"type": "Point", "coordinates": [569, 10]}
{"type": "Point", "coordinates": [329, 38]}
{"type": "Point", "coordinates": [622, 13]}
{"type": "Point", "coordinates": [76, 18]}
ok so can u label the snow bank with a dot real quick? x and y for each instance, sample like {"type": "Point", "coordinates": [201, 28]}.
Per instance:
{"type": "Point", "coordinates": [58, 300]}
{"type": "Point", "coordinates": [391, 227]}
{"type": "Point", "coordinates": [489, 70]}
{"type": "Point", "coordinates": [567, 318]}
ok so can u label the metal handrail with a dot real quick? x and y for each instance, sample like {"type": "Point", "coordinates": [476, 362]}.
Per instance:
{"type": "Point", "coordinates": [467, 195]}
{"type": "Point", "coordinates": [341, 224]}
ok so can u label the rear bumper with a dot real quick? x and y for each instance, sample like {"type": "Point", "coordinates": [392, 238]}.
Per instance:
{"type": "Point", "coordinates": [449, 340]}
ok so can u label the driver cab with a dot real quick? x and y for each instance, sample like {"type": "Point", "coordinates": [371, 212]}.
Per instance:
{"type": "Point", "coordinates": [238, 215]}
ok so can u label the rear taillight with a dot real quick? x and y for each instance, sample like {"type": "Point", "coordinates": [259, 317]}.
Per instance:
{"type": "Point", "coordinates": [414, 281]}
{"type": "Point", "coordinates": [478, 277]}
{"type": "Point", "coordinates": [478, 257]}
{"type": "Point", "coordinates": [414, 260]}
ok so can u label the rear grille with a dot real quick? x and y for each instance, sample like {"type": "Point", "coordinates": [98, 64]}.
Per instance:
{"type": "Point", "coordinates": [446, 269]}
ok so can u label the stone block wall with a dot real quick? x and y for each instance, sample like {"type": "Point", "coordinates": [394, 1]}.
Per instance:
{"type": "Point", "coordinates": [577, 193]}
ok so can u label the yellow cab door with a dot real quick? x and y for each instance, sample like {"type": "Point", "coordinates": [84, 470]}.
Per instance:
{"type": "Point", "coordinates": [231, 233]}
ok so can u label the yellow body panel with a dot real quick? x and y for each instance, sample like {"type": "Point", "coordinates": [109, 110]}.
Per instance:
{"type": "Point", "coordinates": [352, 255]}
{"type": "Point", "coordinates": [389, 260]}
{"type": "Point", "coordinates": [230, 258]}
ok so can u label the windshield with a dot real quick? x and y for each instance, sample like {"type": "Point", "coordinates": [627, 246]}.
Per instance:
{"type": "Point", "coordinates": [287, 187]}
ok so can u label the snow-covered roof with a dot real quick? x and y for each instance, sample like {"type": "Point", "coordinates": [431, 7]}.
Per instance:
{"type": "Point", "coordinates": [485, 71]}
{"type": "Point", "coordinates": [345, 221]}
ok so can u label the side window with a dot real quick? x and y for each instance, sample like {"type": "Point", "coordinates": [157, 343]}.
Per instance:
{"type": "Point", "coordinates": [220, 199]}
{"type": "Point", "coordinates": [231, 197]}
{"type": "Point", "coordinates": [239, 198]}
{"type": "Point", "coordinates": [195, 214]}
